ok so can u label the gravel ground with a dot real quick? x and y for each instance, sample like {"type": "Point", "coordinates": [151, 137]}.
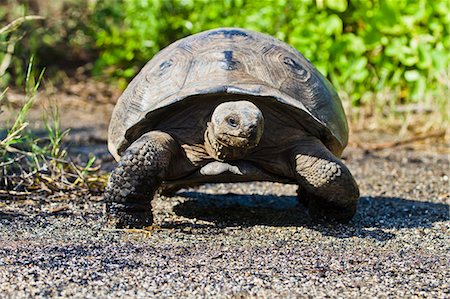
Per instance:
{"type": "Point", "coordinates": [242, 241]}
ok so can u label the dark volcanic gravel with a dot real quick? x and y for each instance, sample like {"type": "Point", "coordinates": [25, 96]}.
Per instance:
{"type": "Point", "coordinates": [222, 241]}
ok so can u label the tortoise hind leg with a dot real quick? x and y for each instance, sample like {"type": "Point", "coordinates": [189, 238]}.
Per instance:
{"type": "Point", "coordinates": [327, 187]}
{"type": "Point", "coordinates": [137, 176]}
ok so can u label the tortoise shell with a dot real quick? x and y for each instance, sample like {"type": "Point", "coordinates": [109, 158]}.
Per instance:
{"type": "Point", "coordinates": [229, 61]}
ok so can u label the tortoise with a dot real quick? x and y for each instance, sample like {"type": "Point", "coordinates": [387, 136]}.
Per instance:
{"type": "Point", "coordinates": [228, 105]}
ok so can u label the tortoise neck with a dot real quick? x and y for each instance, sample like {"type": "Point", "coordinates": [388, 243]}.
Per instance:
{"type": "Point", "coordinates": [212, 146]}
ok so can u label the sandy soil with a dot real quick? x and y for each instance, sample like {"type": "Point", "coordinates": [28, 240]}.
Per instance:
{"type": "Point", "coordinates": [239, 240]}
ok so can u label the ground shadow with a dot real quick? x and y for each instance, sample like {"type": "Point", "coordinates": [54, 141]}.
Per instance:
{"type": "Point", "coordinates": [374, 213]}
{"type": "Point", "coordinates": [10, 215]}
{"type": "Point", "coordinates": [242, 210]}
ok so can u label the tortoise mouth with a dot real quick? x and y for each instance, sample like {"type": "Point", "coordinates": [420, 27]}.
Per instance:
{"type": "Point", "coordinates": [226, 146]}
{"type": "Point", "coordinates": [237, 141]}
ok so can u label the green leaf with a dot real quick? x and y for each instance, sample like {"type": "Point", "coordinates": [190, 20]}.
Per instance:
{"type": "Point", "coordinates": [337, 5]}
{"type": "Point", "coordinates": [333, 25]}
{"type": "Point", "coordinates": [412, 75]}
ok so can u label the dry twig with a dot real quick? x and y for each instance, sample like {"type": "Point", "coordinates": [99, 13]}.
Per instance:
{"type": "Point", "coordinates": [391, 144]}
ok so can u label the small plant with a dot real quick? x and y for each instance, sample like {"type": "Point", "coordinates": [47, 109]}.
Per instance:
{"type": "Point", "coordinates": [29, 163]}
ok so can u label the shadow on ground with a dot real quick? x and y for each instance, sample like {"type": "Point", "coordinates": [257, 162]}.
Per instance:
{"type": "Point", "coordinates": [10, 215]}
{"type": "Point", "coordinates": [373, 216]}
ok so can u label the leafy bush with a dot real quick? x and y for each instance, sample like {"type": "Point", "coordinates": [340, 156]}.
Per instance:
{"type": "Point", "coordinates": [396, 47]}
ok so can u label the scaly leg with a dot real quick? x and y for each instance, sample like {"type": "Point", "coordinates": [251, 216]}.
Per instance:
{"type": "Point", "coordinates": [138, 175]}
{"type": "Point", "coordinates": [326, 185]}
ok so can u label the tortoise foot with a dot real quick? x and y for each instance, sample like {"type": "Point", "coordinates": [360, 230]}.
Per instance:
{"type": "Point", "coordinates": [321, 210]}
{"type": "Point", "coordinates": [118, 217]}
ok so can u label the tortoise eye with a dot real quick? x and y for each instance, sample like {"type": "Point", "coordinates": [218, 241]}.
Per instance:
{"type": "Point", "coordinates": [232, 122]}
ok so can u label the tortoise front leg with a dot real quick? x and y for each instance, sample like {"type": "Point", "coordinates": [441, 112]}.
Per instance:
{"type": "Point", "coordinates": [326, 185]}
{"type": "Point", "coordinates": [136, 178]}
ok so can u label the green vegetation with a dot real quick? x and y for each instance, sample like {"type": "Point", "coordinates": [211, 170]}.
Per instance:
{"type": "Point", "coordinates": [379, 53]}
{"type": "Point", "coordinates": [9, 36]}
{"type": "Point", "coordinates": [364, 47]}
{"type": "Point", "coordinates": [397, 49]}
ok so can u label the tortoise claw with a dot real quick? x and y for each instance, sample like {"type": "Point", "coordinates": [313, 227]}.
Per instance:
{"type": "Point", "coordinates": [321, 210]}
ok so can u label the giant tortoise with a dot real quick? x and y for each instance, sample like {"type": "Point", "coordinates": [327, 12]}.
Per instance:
{"type": "Point", "coordinates": [228, 105]}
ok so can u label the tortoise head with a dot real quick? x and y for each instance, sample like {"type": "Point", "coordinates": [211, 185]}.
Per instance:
{"type": "Point", "coordinates": [234, 129]}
